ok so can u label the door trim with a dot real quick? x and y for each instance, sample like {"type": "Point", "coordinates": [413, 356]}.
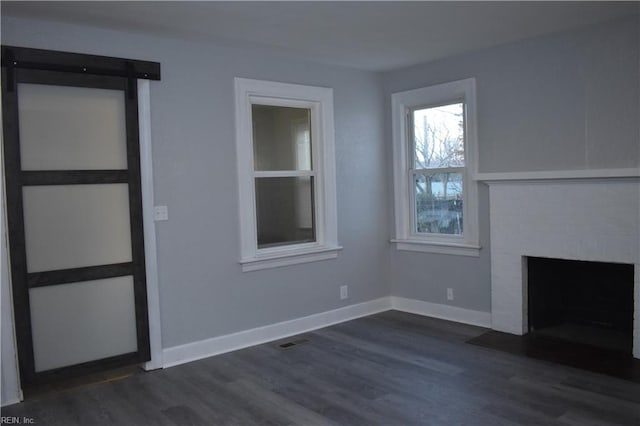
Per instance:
{"type": "Point", "coordinates": [11, 387]}
{"type": "Point", "coordinates": [148, 223]}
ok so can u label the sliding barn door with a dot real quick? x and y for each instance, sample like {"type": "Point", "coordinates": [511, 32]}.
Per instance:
{"type": "Point", "coordinates": [75, 222]}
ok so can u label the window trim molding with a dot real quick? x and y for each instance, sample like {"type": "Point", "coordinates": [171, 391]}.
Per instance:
{"type": "Point", "coordinates": [401, 102]}
{"type": "Point", "coordinates": [320, 100]}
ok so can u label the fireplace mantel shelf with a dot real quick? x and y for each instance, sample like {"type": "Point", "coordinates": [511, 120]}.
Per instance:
{"type": "Point", "coordinates": [515, 177]}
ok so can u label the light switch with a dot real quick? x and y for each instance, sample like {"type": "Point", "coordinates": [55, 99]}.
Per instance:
{"type": "Point", "coordinates": [160, 213]}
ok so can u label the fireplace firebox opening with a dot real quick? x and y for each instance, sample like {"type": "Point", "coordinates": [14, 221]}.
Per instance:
{"type": "Point", "coordinates": [581, 301]}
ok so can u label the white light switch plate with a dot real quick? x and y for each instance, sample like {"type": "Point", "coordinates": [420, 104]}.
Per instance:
{"type": "Point", "coordinates": [160, 213]}
{"type": "Point", "coordinates": [344, 292]}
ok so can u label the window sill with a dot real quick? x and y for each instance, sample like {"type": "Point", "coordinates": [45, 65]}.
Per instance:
{"type": "Point", "coordinates": [290, 258]}
{"type": "Point", "coordinates": [458, 249]}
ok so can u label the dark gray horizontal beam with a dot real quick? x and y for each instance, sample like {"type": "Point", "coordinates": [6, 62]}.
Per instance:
{"type": "Point", "coordinates": [22, 57]}
{"type": "Point", "coordinates": [65, 276]}
{"type": "Point", "coordinates": [73, 177]}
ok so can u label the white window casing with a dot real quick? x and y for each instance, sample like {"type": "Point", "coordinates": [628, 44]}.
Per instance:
{"type": "Point", "coordinates": [319, 100]}
{"type": "Point", "coordinates": [466, 244]}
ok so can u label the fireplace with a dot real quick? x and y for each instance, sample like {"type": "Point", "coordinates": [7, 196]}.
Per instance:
{"type": "Point", "coordinates": [579, 219]}
{"type": "Point", "coordinates": [581, 302]}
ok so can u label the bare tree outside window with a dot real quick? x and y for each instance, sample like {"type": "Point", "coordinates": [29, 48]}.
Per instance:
{"type": "Point", "coordinates": [439, 161]}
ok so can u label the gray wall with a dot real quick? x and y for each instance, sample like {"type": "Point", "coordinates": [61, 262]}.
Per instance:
{"type": "Point", "coordinates": [203, 293]}
{"type": "Point", "coordinates": [560, 102]}
{"type": "Point", "coordinates": [564, 101]}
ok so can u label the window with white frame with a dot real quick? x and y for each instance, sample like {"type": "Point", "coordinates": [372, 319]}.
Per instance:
{"type": "Point", "coordinates": [434, 136]}
{"type": "Point", "coordinates": [286, 173]}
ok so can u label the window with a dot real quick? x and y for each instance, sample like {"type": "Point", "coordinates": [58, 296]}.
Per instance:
{"type": "Point", "coordinates": [286, 173]}
{"type": "Point", "coordinates": [434, 138]}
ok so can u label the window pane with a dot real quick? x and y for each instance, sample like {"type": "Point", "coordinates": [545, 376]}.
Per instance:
{"type": "Point", "coordinates": [284, 210]}
{"type": "Point", "coordinates": [438, 136]}
{"type": "Point", "coordinates": [281, 138]}
{"type": "Point", "coordinates": [438, 203]}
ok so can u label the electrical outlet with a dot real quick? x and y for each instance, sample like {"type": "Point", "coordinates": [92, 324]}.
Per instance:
{"type": "Point", "coordinates": [160, 213]}
{"type": "Point", "coordinates": [344, 292]}
{"type": "Point", "coordinates": [449, 294]}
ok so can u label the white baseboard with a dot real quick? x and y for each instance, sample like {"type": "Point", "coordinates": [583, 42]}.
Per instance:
{"type": "Point", "coordinates": [11, 401]}
{"type": "Point", "coordinates": [446, 312]}
{"type": "Point", "coordinates": [205, 348]}
{"type": "Point", "coordinates": [218, 345]}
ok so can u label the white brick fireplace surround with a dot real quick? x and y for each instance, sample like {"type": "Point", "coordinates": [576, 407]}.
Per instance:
{"type": "Point", "coordinates": [584, 218]}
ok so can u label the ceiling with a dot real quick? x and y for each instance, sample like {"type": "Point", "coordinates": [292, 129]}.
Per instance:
{"type": "Point", "coordinates": [369, 35]}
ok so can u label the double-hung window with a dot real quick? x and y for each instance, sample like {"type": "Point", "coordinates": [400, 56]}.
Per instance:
{"type": "Point", "coordinates": [434, 133]}
{"type": "Point", "coordinates": [286, 173]}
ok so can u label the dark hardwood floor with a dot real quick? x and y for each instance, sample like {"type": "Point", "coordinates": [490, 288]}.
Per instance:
{"type": "Point", "coordinates": [574, 354]}
{"type": "Point", "coordinates": [387, 369]}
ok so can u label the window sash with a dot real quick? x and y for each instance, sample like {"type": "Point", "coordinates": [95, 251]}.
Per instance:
{"type": "Point", "coordinates": [410, 129]}
{"type": "Point", "coordinates": [290, 198]}
{"type": "Point", "coordinates": [284, 173]}
{"type": "Point", "coordinates": [413, 172]}
{"type": "Point", "coordinates": [413, 220]}
{"type": "Point", "coordinates": [312, 173]}
{"type": "Point", "coordinates": [436, 170]}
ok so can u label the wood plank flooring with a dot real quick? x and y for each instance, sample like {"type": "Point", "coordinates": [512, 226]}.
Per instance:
{"type": "Point", "coordinates": [391, 368]}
